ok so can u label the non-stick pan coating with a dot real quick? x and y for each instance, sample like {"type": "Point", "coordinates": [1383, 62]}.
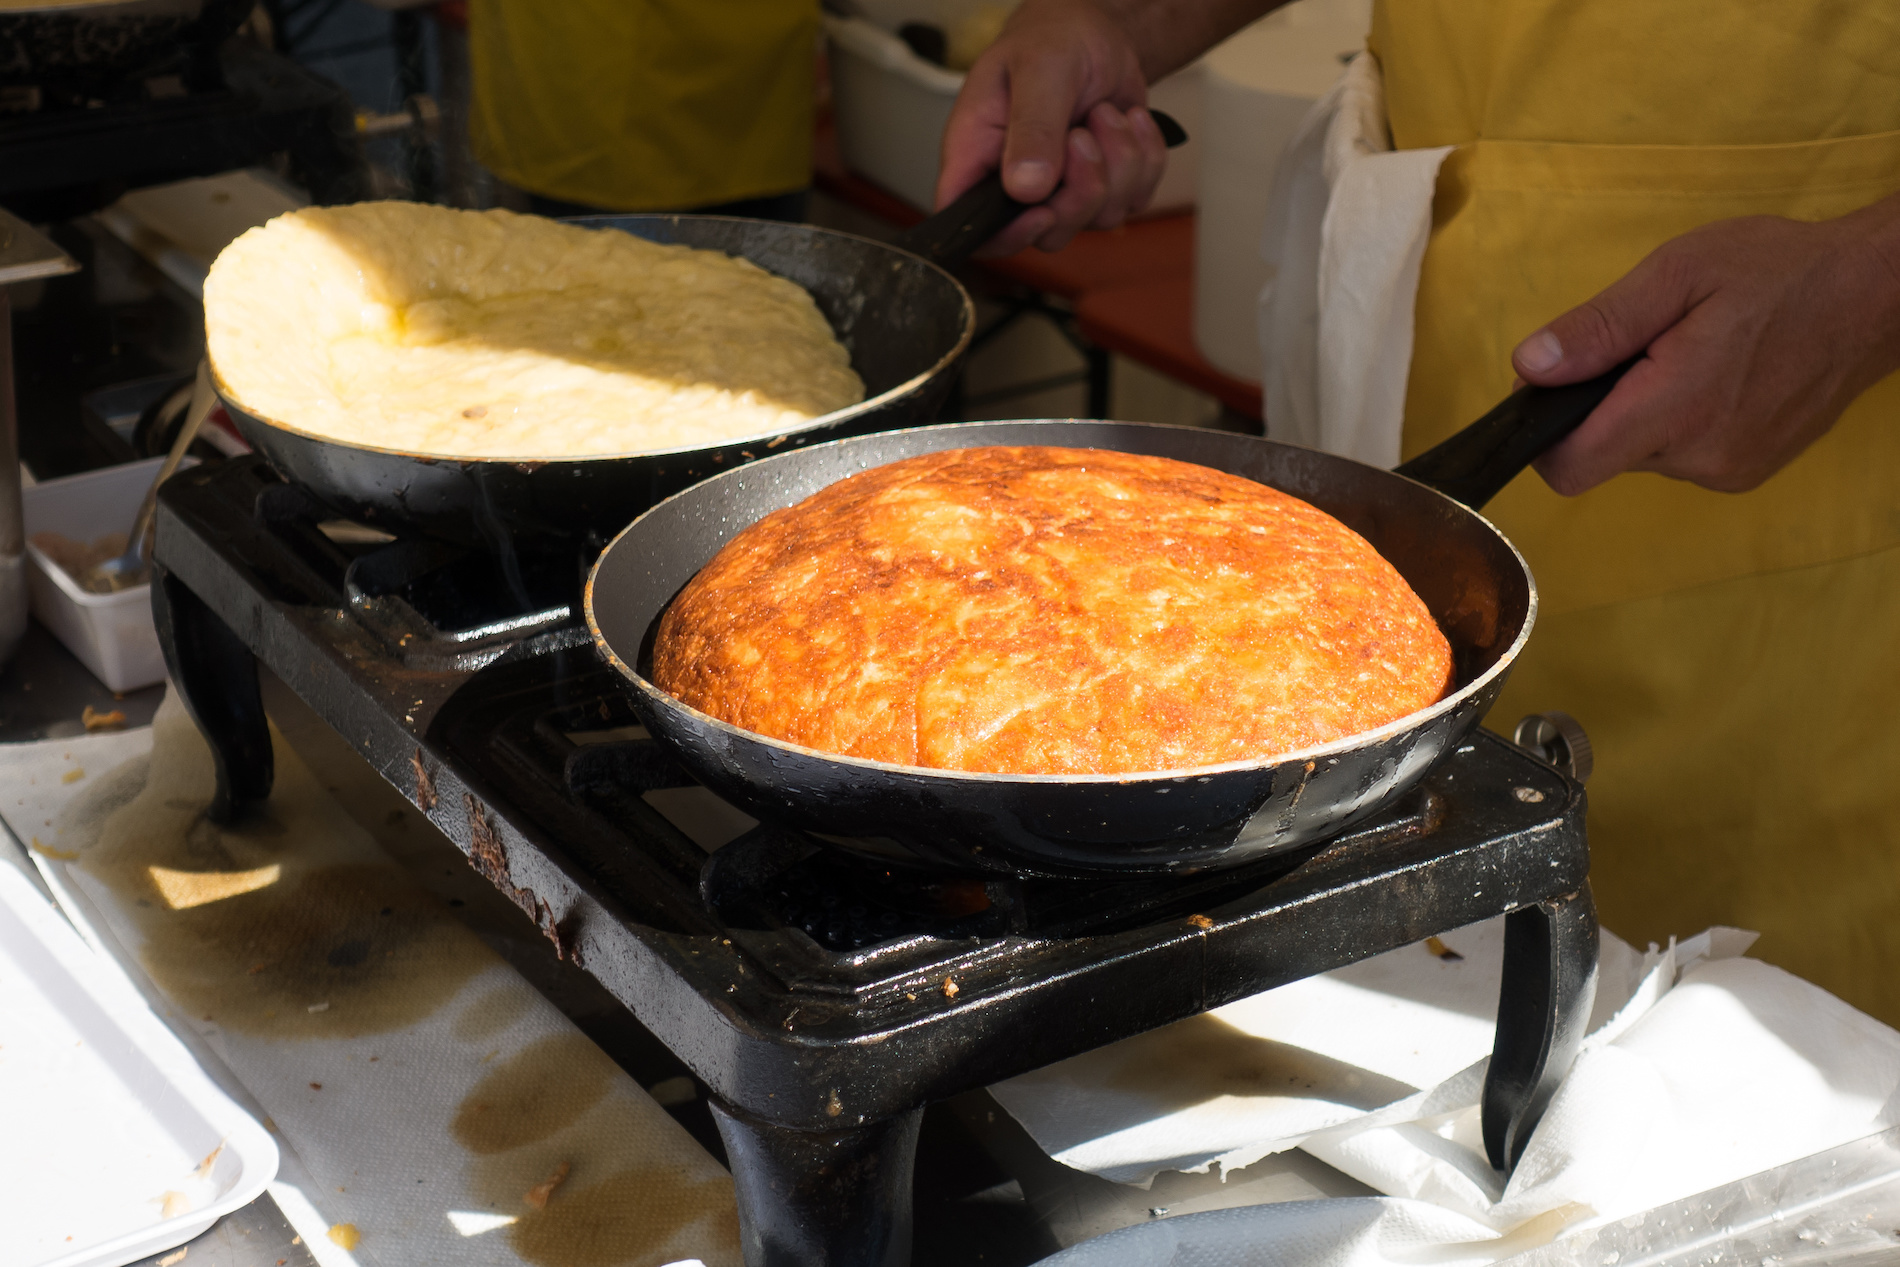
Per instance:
{"type": "Point", "coordinates": [1474, 582]}
{"type": "Point", "coordinates": [905, 321]}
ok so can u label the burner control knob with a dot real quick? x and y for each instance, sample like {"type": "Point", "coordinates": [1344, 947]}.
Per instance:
{"type": "Point", "coordinates": [1558, 738]}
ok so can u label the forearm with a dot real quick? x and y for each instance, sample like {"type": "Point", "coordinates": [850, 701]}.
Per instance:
{"type": "Point", "coordinates": [1878, 228]}
{"type": "Point", "coordinates": [1168, 34]}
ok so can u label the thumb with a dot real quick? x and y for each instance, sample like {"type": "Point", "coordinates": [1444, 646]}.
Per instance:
{"type": "Point", "coordinates": [1618, 323]}
{"type": "Point", "coordinates": [1044, 98]}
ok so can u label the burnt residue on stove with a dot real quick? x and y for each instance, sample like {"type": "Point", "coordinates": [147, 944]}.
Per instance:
{"type": "Point", "coordinates": [489, 856]}
{"type": "Point", "coordinates": [425, 783]}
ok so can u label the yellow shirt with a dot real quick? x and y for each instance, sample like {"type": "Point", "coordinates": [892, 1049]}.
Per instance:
{"type": "Point", "coordinates": [643, 105]}
{"type": "Point", "coordinates": [1736, 658]}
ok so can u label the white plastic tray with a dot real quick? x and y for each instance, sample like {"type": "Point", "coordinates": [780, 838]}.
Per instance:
{"type": "Point", "coordinates": [112, 634]}
{"type": "Point", "coordinates": [105, 1111]}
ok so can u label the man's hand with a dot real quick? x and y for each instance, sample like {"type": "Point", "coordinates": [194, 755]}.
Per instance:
{"type": "Point", "coordinates": [1759, 333]}
{"type": "Point", "coordinates": [1058, 102]}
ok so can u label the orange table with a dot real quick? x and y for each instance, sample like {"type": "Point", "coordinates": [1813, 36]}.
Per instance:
{"type": "Point", "coordinates": [1128, 290]}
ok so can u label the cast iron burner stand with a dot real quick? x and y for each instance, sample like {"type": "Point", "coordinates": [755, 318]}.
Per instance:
{"type": "Point", "coordinates": [235, 109]}
{"type": "Point", "coordinates": [823, 999]}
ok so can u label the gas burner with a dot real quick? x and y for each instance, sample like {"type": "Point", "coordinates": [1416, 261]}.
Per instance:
{"type": "Point", "coordinates": [824, 989]}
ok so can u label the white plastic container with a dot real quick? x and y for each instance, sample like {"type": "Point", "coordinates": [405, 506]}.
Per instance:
{"type": "Point", "coordinates": [891, 105]}
{"type": "Point", "coordinates": [119, 1146]}
{"type": "Point", "coordinates": [1256, 91]}
{"type": "Point", "coordinates": [112, 634]}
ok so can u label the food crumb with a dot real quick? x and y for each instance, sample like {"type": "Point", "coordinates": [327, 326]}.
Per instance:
{"type": "Point", "coordinates": [345, 1234]}
{"type": "Point", "coordinates": [317, 1007]}
{"type": "Point", "coordinates": [1443, 951]}
{"type": "Point", "coordinates": [73, 775]}
{"type": "Point", "coordinates": [92, 719]}
{"type": "Point", "coordinates": [316, 1086]}
{"type": "Point", "coordinates": [59, 855]}
{"type": "Point", "coordinates": [949, 987]}
{"type": "Point", "coordinates": [1200, 921]}
{"type": "Point", "coordinates": [173, 1258]}
{"type": "Point", "coordinates": [174, 1204]}
{"type": "Point", "coordinates": [538, 1196]}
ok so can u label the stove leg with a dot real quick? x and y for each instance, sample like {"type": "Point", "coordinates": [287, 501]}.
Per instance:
{"type": "Point", "coordinates": [1550, 981]}
{"type": "Point", "coordinates": [215, 675]}
{"type": "Point", "coordinates": [822, 1198]}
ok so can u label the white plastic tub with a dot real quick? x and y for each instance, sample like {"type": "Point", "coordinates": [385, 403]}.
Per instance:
{"type": "Point", "coordinates": [891, 105]}
{"type": "Point", "coordinates": [118, 1145]}
{"type": "Point", "coordinates": [112, 634]}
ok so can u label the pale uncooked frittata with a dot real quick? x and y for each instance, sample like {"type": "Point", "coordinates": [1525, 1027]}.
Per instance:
{"type": "Point", "coordinates": [490, 334]}
{"type": "Point", "coordinates": [1051, 611]}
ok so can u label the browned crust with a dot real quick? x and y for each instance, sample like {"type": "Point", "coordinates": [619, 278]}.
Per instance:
{"type": "Point", "coordinates": [1051, 611]}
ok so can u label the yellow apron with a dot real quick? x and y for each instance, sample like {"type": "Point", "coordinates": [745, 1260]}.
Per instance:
{"type": "Point", "coordinates": [644, 105]}
{"type": "Point", "coordinates": [1736, 659]}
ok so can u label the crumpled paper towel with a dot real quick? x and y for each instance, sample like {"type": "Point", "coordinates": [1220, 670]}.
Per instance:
{"type": "Point", "coordinates": [1716, 1068]}
{"type": "Point", "coordinates": [1714, 1071]}
{"type": "Point", "coordinates": [1257, 1076]}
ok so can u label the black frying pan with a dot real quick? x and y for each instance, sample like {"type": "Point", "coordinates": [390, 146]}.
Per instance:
{"type": "Point", "coordinates": [904, 319]}
{"type": "Point", "coordinates": [1421, 518]}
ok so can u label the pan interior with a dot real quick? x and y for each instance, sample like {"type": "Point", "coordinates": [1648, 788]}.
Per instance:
{"type": "Point", "coordinates": [895, 313]}
{"type": "Point", "coordinates": [1470, 578]}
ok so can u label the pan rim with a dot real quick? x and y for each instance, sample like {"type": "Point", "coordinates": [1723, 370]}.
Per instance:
{"type": "Point", "coordinates": [1416, 720]}
{"type": "Point", "coordinates": [835, 417]}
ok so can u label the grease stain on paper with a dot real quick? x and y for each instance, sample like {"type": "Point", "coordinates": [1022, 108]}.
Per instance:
{"type": "Point", "coordinates": [560, 1106]}
{"type": "Point", "coordinates": [534, 1093]}
{"type": "Point", "coordinates": [1204, 1058]}
{"type": "Point", "coordinates": [257, 925]}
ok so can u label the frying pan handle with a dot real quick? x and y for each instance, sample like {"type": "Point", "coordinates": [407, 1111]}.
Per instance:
{"type": "Point", "coordinates": [952, 236]}
{"type": "Point", "coordinates": [1474, 466]}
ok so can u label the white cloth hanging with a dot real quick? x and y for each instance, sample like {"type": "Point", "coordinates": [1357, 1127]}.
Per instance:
{"type": "Point", "coordinates": [1345, 233]}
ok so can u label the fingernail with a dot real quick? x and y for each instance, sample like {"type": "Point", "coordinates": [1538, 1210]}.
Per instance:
{"type": "Point", "coordinates": [1031, 179]}
{"type": "Point", "coordinates": [1142, 120]}
{"type": "Point", "coordinates": [1111, 116]}
{"type": "Point", "coordinates": [1086, 146]}
{"type": "Point", "coordinates": [1540, 352]}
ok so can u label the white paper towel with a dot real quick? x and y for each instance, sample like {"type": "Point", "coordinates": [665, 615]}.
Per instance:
{"type": "Point", "coordinates": [1258, 1076]}
{"type": "Point", "coordinates": [1717, 1068]}
{"type": "Point", "coordinates": [1345, 235]}
{"type": "Point", "coordinates": [422, 1102]}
